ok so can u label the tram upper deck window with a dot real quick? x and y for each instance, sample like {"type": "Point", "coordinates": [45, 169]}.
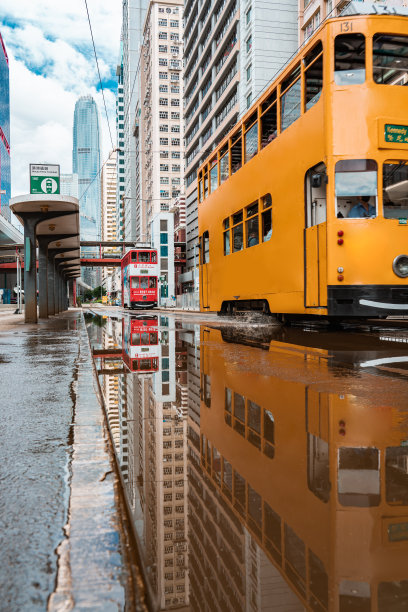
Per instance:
{"type": "Point", "coordinates": [356, 188]}
{"type": "Point", "coordinates": [390, 59]}
{"type": "Point", "coordinates": [144, 257]}
{"type": "Point", "coordinates": [224, 164]}
{"type": "Point", "coordinates": [269, 120]}
{"type": "Point", "coordinates": [213, 175]}
{"type": "Point", "coordinates": [236, 153]}
{"type": "Point", "coordinates": [313, 63]}
{"type": "Point", "coordinates": [395, 189]}
{"type": "Point", "coordinates": [290, 98]}
{"type": "Point", "coordinates": [349, 62]}
{"type": "Point", "coordinates": [251, 138]}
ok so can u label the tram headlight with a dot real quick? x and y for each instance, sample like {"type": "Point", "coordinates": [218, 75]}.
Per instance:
{"type": "Point", "coordinates": [400, 266]}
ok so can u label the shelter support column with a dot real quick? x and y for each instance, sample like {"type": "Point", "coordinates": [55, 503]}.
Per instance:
{"type": "Point", "coordinates": [30, 270]}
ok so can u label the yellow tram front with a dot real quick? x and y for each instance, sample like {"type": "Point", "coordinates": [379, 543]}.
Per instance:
{"type": "Point", "coordinates": [303, 208]}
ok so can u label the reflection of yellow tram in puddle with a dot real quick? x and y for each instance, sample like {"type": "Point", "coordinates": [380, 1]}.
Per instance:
{"type": "Point", "coordinates": [319, 477]}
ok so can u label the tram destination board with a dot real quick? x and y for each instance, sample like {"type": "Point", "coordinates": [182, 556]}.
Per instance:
{"type": "Point", "coordinates": [396, 133]}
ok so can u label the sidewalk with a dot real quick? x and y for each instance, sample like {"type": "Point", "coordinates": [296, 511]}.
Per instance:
{"type": "Point", "coordinates": [62, 544]}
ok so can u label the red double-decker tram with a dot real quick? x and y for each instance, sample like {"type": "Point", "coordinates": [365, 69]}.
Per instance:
{"type": "Point", "coordinates": [139, 278]}
{"type": "Point", "coordinates": [140, 337]}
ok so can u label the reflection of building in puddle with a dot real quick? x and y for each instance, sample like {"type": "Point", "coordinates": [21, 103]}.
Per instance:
{"type": "Point", "coordinates": [315, 479]}
{"type": "Point", "coordinates": [110, 382]}
{"type": "Point", "coordinates": [158, 466]}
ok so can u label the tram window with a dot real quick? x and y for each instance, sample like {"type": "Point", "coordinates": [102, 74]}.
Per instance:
{"type": "Point", "coordinates": [356, 188]}
{"type": "Point", "coordinates": [214, 176]}
{"type": "Point", "coordinates": [239, 407]}
{"type": "Point", "coordinates": [266, 217]}
{"type": "Point", "coordinates": [134, 282]}
{"type": "Point", "coordinates": [290, 99]}
{"type": "Point", "coordinates": [135, 339]}
{"type": "Point", "coordinates": [359, 477]}
{"type": "Point", "coordinates": [269, 120]}
{"type": "Point", "coordinates": [349, 62]}
{"type": "Point", "coordinates": [228, 400]}
{"type": "Point", "coordinates": [254, 416]}
{"type": "Point", "coordinates": [144, 338]}
{"type": "Point", "coordinates": [273, 527]}
{"type": "Point", "coordinates": [239, 492]}
{"type": "Point", "coordinates": [200, 190]}
{"type": "Point", "coordinates": [134, 255]}
{"type": "Point", "coordinates": [144, 256]}
{"type": "Point", "coordinates": [226, 477]}
{"type": "Point", "coordinates": [152, 283]}
{"type": "Point", "coordinates": [154, 338]}
{"type": "Point", "coordinates": [145, 364]}
{"type": "Point", "coordinates": [237, 238]}
{"type": "Point", "coordinates": [318, 582]}
{"type": "Point", "coordinates": [224, 168]}
{"type": "Point", "coordinates": [392, 596]}
{"type": "Point", "coordinates": [269, 427]}
{"type": "Point", "coordinates": [216, 465]}
{"type": "Point", "coordinates": [227, 247]}
{"type": "Point", "coordinates": [255, 506]}
{"type": "Point", "coordinates": [318, 469]}
{"type": "Point", "coordinates": [315, 192]}
{"type": "Point", "coordinates": [154, 257]}
{"type": "Point", "coordinates": [144, 282]}
{"type": "Point", "coordinates": [390, 59]}
{"type": "Point", "coordinates": [395, 189]}
{"type": "Point", "coordinates": [236, 155]}
{"type": "Point", "coordinates": [205, 250]}
{"type": "Point", "coordinates": [252, 225]}
{"type": "Point", "coordinates": [295, 555]}
{"type": "Point", "coordinates": [205, 185]}
{"type": "Point", "coordinates": [354, 596]}
{"type": "Point", "coordinates": [251, 138]}
{"type": "Point", "coordinates": [396, 475]}
{"type": "Point", "coordinates": [313, 75]}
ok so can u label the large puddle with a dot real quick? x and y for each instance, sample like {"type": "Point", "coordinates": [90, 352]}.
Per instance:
{"type": "Point", "coordinates": [266, 468]}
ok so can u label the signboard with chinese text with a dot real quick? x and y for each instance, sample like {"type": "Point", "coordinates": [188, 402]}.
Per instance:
{"type": "Point", "coordinates": [44, 178]}
{"type": "Point", "coordinates": [396, 133]}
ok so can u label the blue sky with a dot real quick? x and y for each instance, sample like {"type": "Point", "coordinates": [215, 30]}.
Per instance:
{"type": "Point", "coordinates": [51, 64]}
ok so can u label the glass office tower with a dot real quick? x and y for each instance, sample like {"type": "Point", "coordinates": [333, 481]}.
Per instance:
{"type": "Point", "coordinates": [5, 178]}
{"type": "Point", "coordinates": [86, 163]}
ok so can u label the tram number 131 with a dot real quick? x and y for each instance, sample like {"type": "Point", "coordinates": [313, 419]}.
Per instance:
{"type": "Point", "coordinates": [346, 26]}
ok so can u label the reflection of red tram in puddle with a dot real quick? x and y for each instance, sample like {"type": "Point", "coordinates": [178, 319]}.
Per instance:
{"type": "Point", "coordinates": [140, 349]}
{"type": "Point", "coordinates": [139, 278]}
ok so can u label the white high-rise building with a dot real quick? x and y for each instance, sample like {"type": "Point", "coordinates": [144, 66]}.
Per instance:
{"type": "Point", "coordinates": [69, 185]}
{"type": "Point", "coordinates": [160, 130]}
{"type": "Point", "coordinates": [134, 12]}
{"type": "Point", "coordinates": [232, 50]}
{"type": "Point", "coordinates": [108, 208]}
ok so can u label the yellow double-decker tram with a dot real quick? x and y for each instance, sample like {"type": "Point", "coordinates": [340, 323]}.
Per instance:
{"type": "Point", "coordinates": [303, 207]}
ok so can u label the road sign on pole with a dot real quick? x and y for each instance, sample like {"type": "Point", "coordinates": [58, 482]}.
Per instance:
{"type": "Point", "coordinates": [44, 178]}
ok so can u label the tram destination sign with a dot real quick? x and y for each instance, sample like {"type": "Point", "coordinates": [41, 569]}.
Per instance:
{"type": "Point", "coordinates": [44, 178]}
{"type": "Point", "coordinates": [396, 133]}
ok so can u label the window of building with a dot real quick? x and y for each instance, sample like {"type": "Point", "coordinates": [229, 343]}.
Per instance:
{"type": "Point", "coordinates": [163, 35]}
{"type": "Point", "coordinates": [163, 89]}
{"type": "Point", "coordinates": [163, 22]}
{"type": "Point", "coordinates": [163, 48]}
{"type": "Point", "coordinates": [174, 36]}
{"type": "Point", "coordinates": [163, 101]}
{"type": "Point", "coordinates": [249, 72]}
{"type": "Point", "coordinates": [174, 23]}
{"type": "Point", "coordinates": [174, 76]}
{"type": "Point", "coordinates": [175, 154]}
{"type": "Point", "coordinates": [174, 50]}
{"type": "Point", "coordinates": [175, 168]}
{"type": "Point", "coordinates": [163, 115]}
{"type": "Point", "coordinates": [163, 127]}
{"type": "Point", "coordinates": [164, 141]}
{"type": "Point", "coordinates": [175, 128]}
{"type": "Point", "coordinates": [349, 60]}
{"type": "Point", "coordinates": [249, 100]}
{"type": "Point", "coordinates": [248, 15]}
{"type": "Point", "coordinates": [164, 167]}
{"type": "Point", "coordinates": [162, 61]}
{"type": "Point", "coordinates": [248, 44]}
{"type": "Point", "coordinates": [175, 115]}
{"type": "Point", "coordinates": [162, 75]}
{"type": "Point", "coordinates": [175, 89]}
{"type": "Point", "coordinates": [175, 142]}
{"type": "Point", "coordinates": [175, 102]}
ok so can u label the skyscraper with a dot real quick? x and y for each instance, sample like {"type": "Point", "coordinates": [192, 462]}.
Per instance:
{"type": "Point", "coordinates": [5, 180]}
{"type": "Point", "coordinates": [86, 163]}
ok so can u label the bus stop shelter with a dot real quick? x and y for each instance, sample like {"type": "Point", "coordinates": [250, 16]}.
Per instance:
{"type": "Point", "coordinates": [52, 223]}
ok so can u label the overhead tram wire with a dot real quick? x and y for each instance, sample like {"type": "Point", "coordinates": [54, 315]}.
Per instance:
{"type": "Point", "coordinates": [99, 74]}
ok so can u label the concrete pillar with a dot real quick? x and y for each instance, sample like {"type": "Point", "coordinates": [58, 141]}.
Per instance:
{"type": "Point", "coordinates": [30, 270]}
{"type": "Point", "coordinates": [43, 277]}
{"type": "Point", "coordinates": [51, 283]}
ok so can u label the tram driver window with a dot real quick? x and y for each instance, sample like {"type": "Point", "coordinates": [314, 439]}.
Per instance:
{"type": "Point", "coordinates": [390, 59]}
{"type": "Point", "coordinates": [134, 282]}
{"type": "Point", "coordinates": [349, 62]}
{"type": "Point", "coordinates": [356, 188]}
{"type": "Point", "coordinates": [395, 189]}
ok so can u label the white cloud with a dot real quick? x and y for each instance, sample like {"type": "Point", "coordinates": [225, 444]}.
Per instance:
{"type": "Point", "coordinates": [51, 65]}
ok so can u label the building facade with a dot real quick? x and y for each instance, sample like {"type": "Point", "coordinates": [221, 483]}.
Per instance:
{"type": "Point", "coordinates": [69, 185]}
{"type": "Point", "coordinates": [108, 210]}
{"type": "Point", "coordinates": [134, 12]}
{"type": "Point", "coordinates": [5, 175]}
{"type": "Point", "coordinates": [232, 50]}
{"type": "Point", "coordinates": [86, 163]}
{"type": "Point", "coordinates": [160, 130]}
{"type": "Point", "coordinates": [120, 158]}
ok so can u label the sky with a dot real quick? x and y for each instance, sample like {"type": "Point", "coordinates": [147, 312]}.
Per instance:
{"type": "Point", "coordinates": [52, 63]}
